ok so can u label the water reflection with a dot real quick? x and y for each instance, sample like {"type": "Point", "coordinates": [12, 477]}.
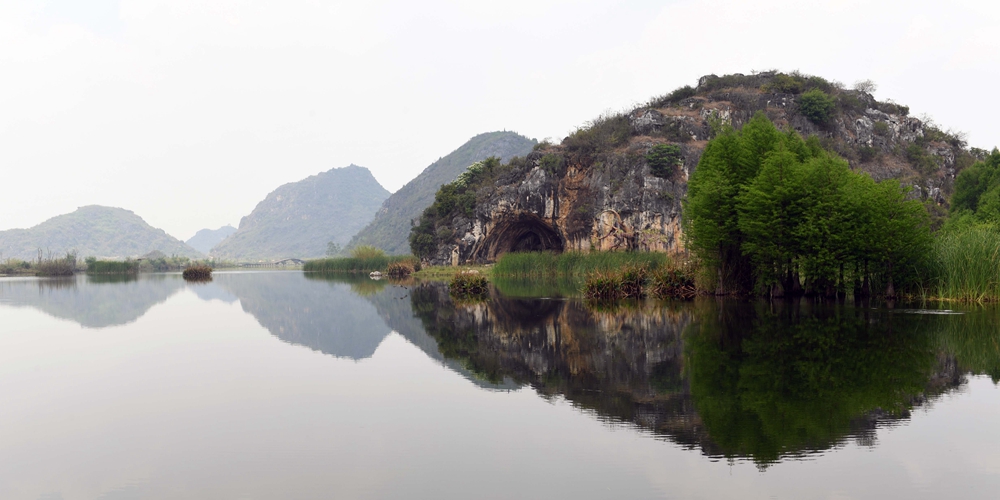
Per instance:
{"type": "Point", "coordinates": [91, 301]}
{"type": "Point", "coordinates": [735, 380]}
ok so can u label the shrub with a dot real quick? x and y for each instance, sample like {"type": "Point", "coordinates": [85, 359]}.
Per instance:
{"type": "Point", "coordinates": [626, 283]}
{"type": "Point", "coordinates": [399, 269]}
{"type": "Point", "coordinates": [881, 128]}
{"type": "Point", "coordinates": [552, 164]}
{"type": "Point", "coordinates": [679, 94]}
{"type": "Point", "coordinates": [465, 284]}
{"type": "Point", "coordinates": [784, 84]}
{"type": "Point", "coordinates": [673, 283]}
{"type": "Point", "coordinates": [606, 132]}
{"type": "Point", "coordinates": [867, 153]}
{"type": "Point", "coordinates": [198, 273]}
{"type": "Point", "coordinates": [663, 160]}
{"type": "Point", "coordinates": [817, 106]}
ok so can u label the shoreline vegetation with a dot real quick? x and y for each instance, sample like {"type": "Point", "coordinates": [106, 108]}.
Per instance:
{"type": "Point", "coordinates": [365, 259]}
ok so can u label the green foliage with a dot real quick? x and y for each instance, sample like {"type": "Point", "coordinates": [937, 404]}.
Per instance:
{"type": "Point", "coordinates": [784, 84]}
{"type": "Point", "coordinates": [881, 128]}
{"type": "Point", "coordinates": [817, 106]}
{"type": "Point", "coordinates": [604, 133]}
{"type": "Point", "coordinates": [368, 264]}
{"type": "Point", "coordinates": [969, 264]}
{"type": "Point", "coordinates": [765, 208]}
{"type": "Point", "coordinates": [548, 264]}
{"type": "Point", "coordinates": [552, 164]}
{"type": "Point", "coordinates": [977, 192]}
{"type": "Point", "coordinates": [921, 161]}
{"type": "Point", "coordinates": [663, 160]}
{"type": "Point", "coordinates": [768, 383]}
{"type": "Point", "coordinates": [468, 285]}
{"type": "Point", "coordinates": [95, 266]}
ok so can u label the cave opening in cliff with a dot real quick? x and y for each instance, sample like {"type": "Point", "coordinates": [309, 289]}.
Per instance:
{"type": "Point", "coordinates": [520, 233]}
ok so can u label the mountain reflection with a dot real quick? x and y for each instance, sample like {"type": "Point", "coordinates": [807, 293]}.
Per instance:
{"type": "Point", "coordinates": [92, 301]}
{"type": "Point", "coordinates": [735, 380]}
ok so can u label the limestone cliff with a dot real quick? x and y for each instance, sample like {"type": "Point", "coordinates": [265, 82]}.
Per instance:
{"type": "Point", "coordinates": [596, 190]}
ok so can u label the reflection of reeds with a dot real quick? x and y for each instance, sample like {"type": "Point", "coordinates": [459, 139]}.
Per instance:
{"type": "Point", "coordinates": [198, 273]}
{"type": "Point", "coordinates": [468, 285]}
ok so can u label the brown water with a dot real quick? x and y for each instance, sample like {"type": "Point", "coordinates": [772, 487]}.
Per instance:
{"type": "Point", "coordinates": [278, 385]}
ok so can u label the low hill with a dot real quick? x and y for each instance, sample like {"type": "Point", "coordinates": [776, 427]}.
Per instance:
{"type": "Point", "coordinates": [391, 227]}
{"type": "Point", "coordinates": [204, 240]}
{"type": "Point", "coordinates": [92, 231]}
{"type": "Point", "coordinates": [617, 182]}
{"type": "Point", "coordinates": [299, 218]}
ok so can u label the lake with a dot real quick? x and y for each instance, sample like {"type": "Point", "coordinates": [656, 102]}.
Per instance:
{"type": "Point", "coordinates": [286, 385]}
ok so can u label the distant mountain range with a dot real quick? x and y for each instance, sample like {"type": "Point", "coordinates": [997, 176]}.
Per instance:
{"type": "Point", "coordinates": [390, 229]}
{"type": "Point", "coordinates": [299, 218]}
{"type": "Point", "coordinates": [92, 231]}
{"type": "Point", "coordinates": [204, 240]}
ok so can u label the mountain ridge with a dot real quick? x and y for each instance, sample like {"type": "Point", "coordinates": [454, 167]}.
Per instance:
{"type": "Point", "coordinates": [390, 228]}
{"type": "Point", "coordinates": [92, 230]}
{"type": "Point", "coordinates": [299, 218]}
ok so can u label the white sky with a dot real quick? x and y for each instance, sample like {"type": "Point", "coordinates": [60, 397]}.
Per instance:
{"type": "Point", "coordinates": [188, 112]}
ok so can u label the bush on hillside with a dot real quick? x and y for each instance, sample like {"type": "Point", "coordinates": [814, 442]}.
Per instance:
{"type": "Point", "coordinates": [663, 160]}
{"type": "Point", "coordinates": [817, 106]}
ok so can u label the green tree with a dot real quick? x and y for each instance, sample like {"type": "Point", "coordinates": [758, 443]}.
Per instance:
{"type": "Point", "coordinates": [663, 160]}
{"type": "Point", "coordinates": [817, 106]}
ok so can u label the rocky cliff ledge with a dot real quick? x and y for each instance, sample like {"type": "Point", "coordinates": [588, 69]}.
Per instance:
{"type": "Point", "coordinates": [603, 188]}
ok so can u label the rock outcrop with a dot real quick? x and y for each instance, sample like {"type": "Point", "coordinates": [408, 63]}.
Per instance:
{"type": "Point", "coordinates": [596, 190]}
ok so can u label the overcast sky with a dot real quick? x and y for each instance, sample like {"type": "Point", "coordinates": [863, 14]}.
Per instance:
{"type": "Point", "coordinates": [188, 112]}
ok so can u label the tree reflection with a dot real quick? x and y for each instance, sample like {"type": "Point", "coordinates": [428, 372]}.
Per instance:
{"type": "Point", "coordinates": [736, 380]}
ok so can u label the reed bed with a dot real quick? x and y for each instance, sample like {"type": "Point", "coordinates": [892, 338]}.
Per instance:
{"type": "Point", "coordinates": [542, 264]}
{"type": "Point", "coordinates": [112, 267]}
{"type": "Point", "coordinates": [198, 273]}
{"type": "Point", "coordinates": [468, 285]}
{"type": "Point", "coordinates": [969, 265]}
{"type": "Point", "coordinates": [365, 264]}
{"type": "Point", "coordinates": [399, 269]}
{"type": "Point", "coordinates": [626, 283]}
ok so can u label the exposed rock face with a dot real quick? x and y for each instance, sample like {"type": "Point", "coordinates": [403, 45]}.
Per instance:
{"type": "Point", "coordinates": [605, 197]}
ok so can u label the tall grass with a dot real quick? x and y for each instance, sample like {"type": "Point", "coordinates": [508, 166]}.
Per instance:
{"type": "Point", "coordinates": [112, 266]}
{"type": "Point", "coordinates": [360, 264]}
{"type": "Point", "coordinates": [969, 265]}
{"type": "Point", "coordinates": [547, 264]}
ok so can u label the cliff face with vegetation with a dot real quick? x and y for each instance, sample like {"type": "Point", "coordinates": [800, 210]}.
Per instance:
{"type": "Point", "coordinates": [299, 218]}
{"type": "Point", "coordinates": [617, 184]}
{"type": "Point", "coordinates": [93, 230]}
{"type": "Point", "coordinates": [391, 227]}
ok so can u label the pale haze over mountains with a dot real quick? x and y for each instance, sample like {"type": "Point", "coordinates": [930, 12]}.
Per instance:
{"type": "Point", "coordinates": [190, 112]}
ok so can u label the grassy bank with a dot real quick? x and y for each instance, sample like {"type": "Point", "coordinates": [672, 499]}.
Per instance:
{"type": "Point", "coordinates": [968, 265]}
{"type": "Point", "coordinates": [547, 264]}
{"type": "Point", "coordinates": [363, 259]}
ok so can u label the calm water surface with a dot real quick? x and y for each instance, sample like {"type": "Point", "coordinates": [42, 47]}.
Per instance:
{"type": "Point", "coordinates": [281, 385]}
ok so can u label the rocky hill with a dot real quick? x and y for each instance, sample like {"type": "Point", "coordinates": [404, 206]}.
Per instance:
{"type": "Point", "coordinates": [299, 218]}
{"type": "Point", "coordinates": [92, 231]}
{"type": "Point", "coordinates": [608, 186]}
{"type": "Point", "coordinates": [205, 239]}
{"type": "Point", "coordinates": [391, 227]}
